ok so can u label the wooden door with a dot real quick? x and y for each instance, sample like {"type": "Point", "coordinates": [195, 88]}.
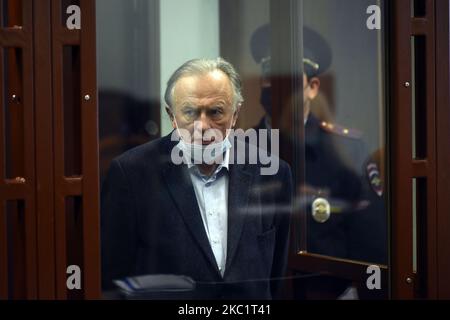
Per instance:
{"type": "Point", "coordinates": [50, 185]}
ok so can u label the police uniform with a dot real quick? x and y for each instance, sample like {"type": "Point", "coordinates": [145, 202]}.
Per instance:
{"type": "Point", "coordinates": [343, 196]}
{"type": "Point", "coordinates": [346, 216]}
{"type": "Point", "coordinates": [343, 193]}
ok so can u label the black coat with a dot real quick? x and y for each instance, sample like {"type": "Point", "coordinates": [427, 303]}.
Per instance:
{"type": "Point", "coordinates": [151, 224]}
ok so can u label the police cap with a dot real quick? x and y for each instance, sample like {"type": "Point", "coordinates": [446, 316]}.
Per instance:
{"type": "Point", "coordinates": [316, 51]}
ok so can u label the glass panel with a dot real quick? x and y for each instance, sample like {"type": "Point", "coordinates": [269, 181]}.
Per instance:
{"type": "Point", "coordinates": [245, 43]}
{"type": "Point", "coordinates": [4, 272]}
{"type": "Point", "coordinates": [420, 233]}
{"type": "Point", "coordinates": [413, 98]}
{"type": "Point", "coordinates": [345, 130]}
{"type": "Point", "coordinates": [13, 113]}
{"type": "Point", "coordinates": [418, 8]}
{"type": "Point", "coordinates": [72, 111]}
{"type": "Point", "coordinates": [15, 224]}
{"type": "Point", "coordinates": [11, 13]}
{"type": "Point", "coordinates": [4, 13]}
{"type": "Point", "coordinates": [338, 149]}
{"type": "Point", "coordinates": [414, 240]}
{"type": "Point", "coordinates": [128, 75]}
{"type": "Point", "coordinates": [419, 89]}
{"type": "Point", "coordinates": [344, 109]}
{"type": "Point", "coordinates": [74, 240]}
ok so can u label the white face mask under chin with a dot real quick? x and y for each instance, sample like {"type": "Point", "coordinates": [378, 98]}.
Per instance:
{"type": "Point", "coordinates": [200, 154]}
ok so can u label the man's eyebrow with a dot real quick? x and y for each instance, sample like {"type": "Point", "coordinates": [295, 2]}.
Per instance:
{"type": "Point", "coordinates": [186, 105]}
{"type": "Point", "coordinates": [190, 104]}
{"type": "Point", "coordinates": [220, 103]}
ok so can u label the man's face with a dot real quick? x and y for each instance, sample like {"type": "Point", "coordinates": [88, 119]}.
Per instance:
{"type": "Point", "coordinates": [202, 103]}
{"type": "Point", "coordinates": [310, 91]}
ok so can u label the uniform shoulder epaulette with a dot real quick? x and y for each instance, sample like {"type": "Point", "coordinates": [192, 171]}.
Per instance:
{"type": "Point", "coordinates": [374, 176]}
{"type": "Point", "coordinates": [340, 130]}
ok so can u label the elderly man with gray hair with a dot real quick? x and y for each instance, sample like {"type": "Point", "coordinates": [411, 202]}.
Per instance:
{"type": "Point", "coordinates": [218, 221]}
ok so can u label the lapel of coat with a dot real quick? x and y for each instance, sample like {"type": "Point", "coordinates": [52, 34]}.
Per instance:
{"type": "Point", "coordinates": [180, 188]}
{"type": "Point", "coordinates": [238, 194]}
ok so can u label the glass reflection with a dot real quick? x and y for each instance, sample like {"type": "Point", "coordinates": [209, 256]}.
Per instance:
{"type": "Point", "coordinates": [344, 132]}
{"type": "Point", "coordinates": [343, 194]}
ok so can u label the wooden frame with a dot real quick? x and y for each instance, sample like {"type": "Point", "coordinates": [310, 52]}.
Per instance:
{"type": "Point", "coordinates": [402, 166]}
{"type": "Point", "coordinates": [39, 100]}
{"type": "Point", "coordinates": [286, 19]}
{"type": "Point", "coordinates": [443, 149]}
{"type": "Point", "coordinates": [44, 186]}
{"type": "Point", "coordinates": [20, 186]}
{"type": "Point", "coordinates": [91, 188]}
{"type": "Point", "coordinates": [44, 150]}
{"type": "Point", "coordinates": [407, 282]}
{"type": "Point", "coordinates": [86, 184]}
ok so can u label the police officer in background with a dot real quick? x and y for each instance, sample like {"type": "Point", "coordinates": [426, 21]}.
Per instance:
{"type": "Point", "coordinates": [343, 194]}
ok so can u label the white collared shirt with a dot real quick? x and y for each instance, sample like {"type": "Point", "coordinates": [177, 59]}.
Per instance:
{"type": "Point", "coordinates": [212, 199]}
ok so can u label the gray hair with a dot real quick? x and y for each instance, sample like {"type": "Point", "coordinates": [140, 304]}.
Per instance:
{"type": "Point", "coordinates": [203, 66]}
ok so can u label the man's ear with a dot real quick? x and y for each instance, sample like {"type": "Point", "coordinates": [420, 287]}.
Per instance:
{"type": "Point", "coordinates": [314, 87]}
{"type": "Point", "coordinates": [236, 114]}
